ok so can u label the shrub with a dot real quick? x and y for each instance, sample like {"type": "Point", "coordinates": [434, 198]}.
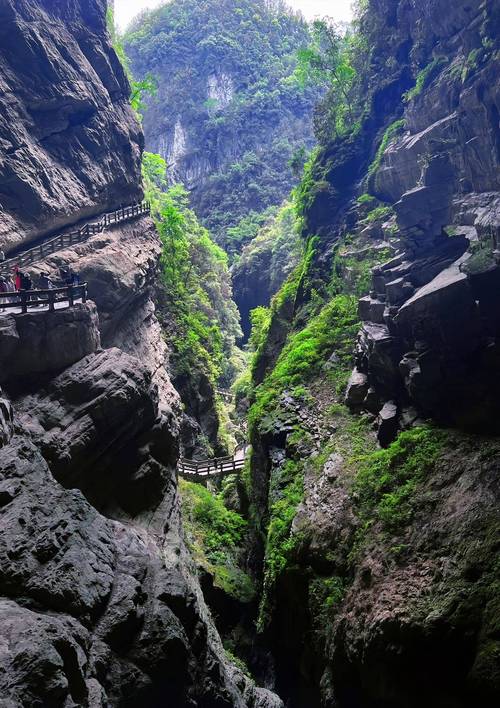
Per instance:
{"type": "Point", "coordinates": [392, 131]}
{"type": "Point", "coordinates": [424, 78]}
{"type": "Point", "coordinates": [215, 535]}
{"type": "Point", "coordinates": [387, 479]}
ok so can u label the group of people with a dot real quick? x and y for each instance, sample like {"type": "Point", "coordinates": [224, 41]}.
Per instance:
{"type": "Point", "coordinates": [23, 282]}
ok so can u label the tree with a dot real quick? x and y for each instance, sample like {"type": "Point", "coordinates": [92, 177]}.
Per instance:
{"type": "Point", "coordinates": [327, 61]}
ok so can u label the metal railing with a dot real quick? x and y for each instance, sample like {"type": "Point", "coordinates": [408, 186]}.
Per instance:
{"type": "Point", "coordinates": [27, 299]}
{"type": "Point", "coordinates": [58, 243]}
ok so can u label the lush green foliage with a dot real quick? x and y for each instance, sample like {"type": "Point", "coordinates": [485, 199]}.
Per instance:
{"type": "Point", "coordinates": [280, 543]}
{"type": "Point", "coordinates": [215, 535]}
{"type": "Point", "coordinates": [140, 89]}
{"type": "Point", "coordinates": [327, 62]}
{"type": "Point", "coordinates": [387, 479]}
{"type": "Point", "coordinates": [203, 320]}
{"type": "Point", "coordinates": [333, 330]}
{"type": "Point", "coordinates": [223, 68]}
{"type": "Point", "coordinates": [379, 213]}
{"type": "Point", "coordinates": [392, 131]}
{"type": "Point", "coordinates": [325, 596]}
{"type": "Point", "coordinates": [424, 77]}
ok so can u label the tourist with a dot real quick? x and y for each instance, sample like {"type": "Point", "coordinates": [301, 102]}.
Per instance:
{"type": "Point", "coordinates": [3, 289]}
{"type": "Point", "coordinates": [65, 275]}
{"type": "Point", "coordinates": [18, 278]}
{"type": "Point", "coordinates": [44, 282]}
{"type": "Point", "coordinates": [2, 256]}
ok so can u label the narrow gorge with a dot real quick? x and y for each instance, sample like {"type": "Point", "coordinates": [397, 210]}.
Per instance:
{"type": "Point", "coordinates": [249, 354]}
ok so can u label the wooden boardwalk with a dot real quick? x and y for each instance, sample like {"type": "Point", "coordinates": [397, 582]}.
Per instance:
{"type": "Point", "coordinates": [64, 240]}
{"type": "Point", "coordinates": [202, 470]}
{"type": "Point", "coordinates": [43, 300]}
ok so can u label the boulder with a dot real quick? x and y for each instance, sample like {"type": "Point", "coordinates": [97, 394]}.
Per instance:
{"type": "Point", "coordinates": [387, 423]}
{"type": "Point", "coordinates": [443, 312]}
{"type": "Point", "coordinates": [357, 388]}
{"type": "Point", "coordinates": [99, 426]}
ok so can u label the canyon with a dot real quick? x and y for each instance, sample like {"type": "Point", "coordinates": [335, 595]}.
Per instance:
{"type": "Point", "coordinates": [353, 561]}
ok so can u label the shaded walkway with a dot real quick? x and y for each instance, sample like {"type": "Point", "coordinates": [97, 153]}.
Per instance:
{"type": "Point", "coordinates": [43, 300]}
{"type": "Point", "coordinates": [53, 244]}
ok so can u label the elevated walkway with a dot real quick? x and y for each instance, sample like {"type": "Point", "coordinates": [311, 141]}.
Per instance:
{"type": "Point", "coordinates": [53, 244]}
{"type": "Point", "coordinates": [202, 470]}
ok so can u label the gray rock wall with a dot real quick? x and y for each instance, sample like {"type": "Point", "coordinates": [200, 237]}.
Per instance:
{"type": "Point", "coordinates": [39, 343]}
{"type": "Point", "coordinates": [99, 601]}
{"type": "Point", "coordinates": [69, 142]}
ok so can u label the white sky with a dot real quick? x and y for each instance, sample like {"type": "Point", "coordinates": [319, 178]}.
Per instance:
{"type": "Point", "coordinates": [340, 10]}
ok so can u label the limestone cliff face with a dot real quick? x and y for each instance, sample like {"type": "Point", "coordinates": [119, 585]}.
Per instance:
{"type": "Point", "coordinates": [99, 603]}
{"type": "Point", "coordinates": [390, 569]}
{"type": "Point", "coordinates": [69, 143]}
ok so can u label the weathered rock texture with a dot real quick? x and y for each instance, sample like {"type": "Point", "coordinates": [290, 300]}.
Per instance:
{"type": "Point", "coordinates": [431, 328]}
{"type": "Point", "coordinates": [38, 343]}
{"type": "Point", "coordinates": [393, 597]}
{"type": "Point", "coordinates": [69, 142]}
{"type": "Point", "coordinates": [99, 604]}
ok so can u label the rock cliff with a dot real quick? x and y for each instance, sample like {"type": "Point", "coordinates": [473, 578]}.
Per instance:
{"type": "Point", "coordinates": [99, 601]}
{"type": "Point", "coordinates": [385, 558]}
{"type": "Point", "coordinates": [226, 118]}
{"type": "Point", "coordinates": [70, 144]}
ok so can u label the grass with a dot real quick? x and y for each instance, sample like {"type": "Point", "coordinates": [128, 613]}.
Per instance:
{"type": "Point", "coordinates": [334, 329]}
{"type": "Point", "coordinates": [378, 214]}
{"type": "Point", "coordinates": [280, 543]}
{"type": "Point", "coordinates": [386, 480]}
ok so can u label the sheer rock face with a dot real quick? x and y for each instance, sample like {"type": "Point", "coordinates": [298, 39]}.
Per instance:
{"type": "Point", "coordinates": [109, 613]}
{"type": "Point", "coordinates": [414, 618]}
{"type": "Point", "coordinates": [439, 300]}
{"type": "Point", "coordinates": [69, 143]}
{"type": "Point", "coordinates": [38, 343]}
{"type": "Point", "coordinates": [99, 602]}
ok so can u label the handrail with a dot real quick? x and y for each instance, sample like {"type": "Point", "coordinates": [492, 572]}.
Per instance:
{"type": "Point", "coordinates": [57, 243]}
{"type": "Point", "coordinates": [201, 470]}
{"type": "Point", "coordinates": [33, 298]}
{"type": "Point", "coordinates": [225, 395]}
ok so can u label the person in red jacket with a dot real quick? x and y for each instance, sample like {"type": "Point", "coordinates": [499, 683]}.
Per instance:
{"type": "Point", "coordinates": [18, 281]}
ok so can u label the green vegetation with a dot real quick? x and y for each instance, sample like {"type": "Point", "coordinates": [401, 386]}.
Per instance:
{"type": "Point", "coordinates": [392, 132]}
{"type": "Point", "coordinates": [425, 77]}
{"type": "Point", "coordinates": [325, 597]}
{"type": "Point", "coordinates": [379, 213]}
{"type": "Point", "coordinates": [365, 199]}
{"type": "Point", "coordinates": [333, 330]}
{"type": "Point", "coordinates": [386, 480]}
{"type": "Point", "coordinates": [224, 71]}
{"type": "Point", "coordinates": [239, 663]}
{"type": "Point", "coordinates": [201, 320]}
{"type": "Point", "coordinates": [327, 62]}
{"type": "Point", "coordinates": [482, 258]}
{"type": "Point", "coordinates": [140, 89]}
{"type": "Point", "coordinates": [215, 536]}
{"type": "Point", "coordinates": [280, 543]}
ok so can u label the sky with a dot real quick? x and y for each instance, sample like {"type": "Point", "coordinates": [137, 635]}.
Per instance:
{"type": "Point", "coordinates": [340, 10]}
